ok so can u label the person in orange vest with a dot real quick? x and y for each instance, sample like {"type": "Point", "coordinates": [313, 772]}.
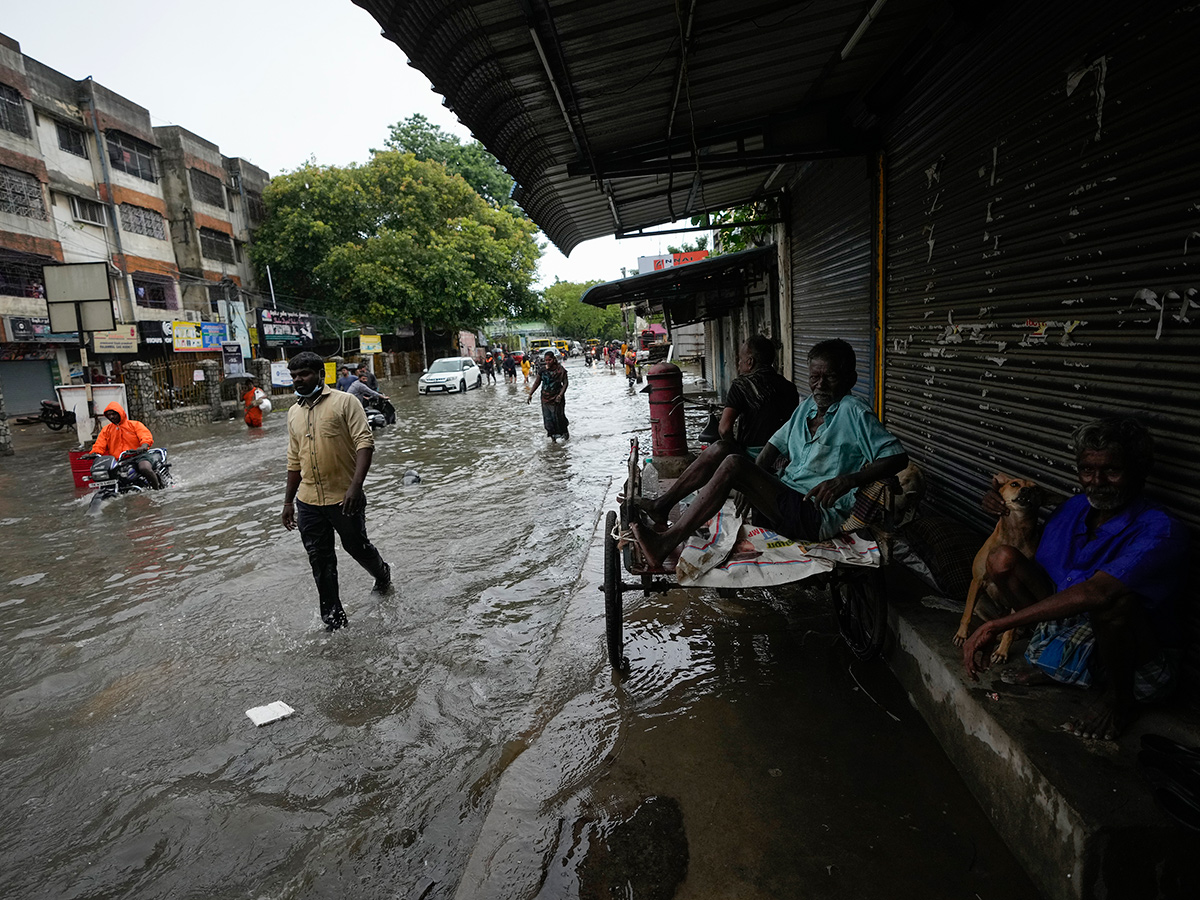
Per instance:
{"type": "Point", "coordinates": [123, 433]}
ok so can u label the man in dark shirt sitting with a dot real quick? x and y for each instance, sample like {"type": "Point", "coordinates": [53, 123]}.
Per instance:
{"type": "Point", "coordinates": [758, 403]}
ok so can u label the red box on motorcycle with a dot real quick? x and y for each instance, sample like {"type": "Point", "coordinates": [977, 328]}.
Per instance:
{"type": "Point", "coordinates": [81, 469]}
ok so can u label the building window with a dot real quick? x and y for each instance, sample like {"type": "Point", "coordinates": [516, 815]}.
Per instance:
{"type": "Point", "coordinates": [216, 293]}
{"type": "Point", "coordinates": [21, 278]}
{"type": "Point", "coordinates": [216, 245]}
{"type": "Point", "coordinates": [21, 194]}
{"type": "Point", "coordinates": [88, 211]}
{"type": "Point", "coordinates": [255, 207]}
{"type": "Point", "coordinates": [131, 155]}
{"type": "Point", "coordinates": [71, 140]}
{"type": "Point", "coordinates": [12, 112]}
{"type": "Point", "coordinates": [206, 188]}
{"type": "Point", "coordinates": [152, 294]}
{"type": "Point", "coordinates": [140, 220]}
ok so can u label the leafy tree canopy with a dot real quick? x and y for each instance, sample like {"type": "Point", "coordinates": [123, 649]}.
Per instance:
{"type": "Point", "coordinates": [571, 318]}
{"type": "Point", "coordinates": [482, 171]}
{"type": "Point", "coordinates": [394, 240]}
{"type": "Point", "coordinates": [700, 242]}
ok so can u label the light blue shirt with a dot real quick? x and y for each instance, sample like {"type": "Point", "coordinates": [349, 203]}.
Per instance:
{"type": "Point", "coordinates": [848, 439]}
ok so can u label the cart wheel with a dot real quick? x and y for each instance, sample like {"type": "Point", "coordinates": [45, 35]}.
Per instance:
{"type": "Point", "coordinates": [612, 596]}
{"type": "Point", "coordinates": [860, 603]}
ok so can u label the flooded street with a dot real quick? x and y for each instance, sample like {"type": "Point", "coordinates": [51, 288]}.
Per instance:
{"type": "Point", "coordinates": [463, 737]}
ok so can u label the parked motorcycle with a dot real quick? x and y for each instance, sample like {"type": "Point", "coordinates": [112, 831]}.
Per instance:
{"type": "Point", "coordinates": [119, 475]}
{"type": "Point", "coordinates": [55, 417]}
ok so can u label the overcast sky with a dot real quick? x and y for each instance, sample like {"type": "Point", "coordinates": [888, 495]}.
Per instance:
{"type": "Point", "coordinates": [273, 81]}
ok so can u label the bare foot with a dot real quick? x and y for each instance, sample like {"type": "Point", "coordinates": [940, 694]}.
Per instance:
{"type": "Point", "coordinates": [1025, 677]}
{"type": "Point", "coordinates": [1103, 722]}
{"type": "Point", "coordinates": [652, 553]}
{"type": "Point", "coordinates": [650, 508]}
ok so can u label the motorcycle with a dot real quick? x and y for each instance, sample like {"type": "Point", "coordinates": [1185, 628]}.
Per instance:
{"type": "Point", "coordinates": [379, 412]}
{"type": "Point", "coordinates": [55, 417]}
{"type": "Point", "coordinates": [119, 475]}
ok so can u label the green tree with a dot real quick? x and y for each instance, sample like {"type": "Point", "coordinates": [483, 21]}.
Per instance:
{"type": "Point", "coordinates": [700, 242]}
{"type": "Point", "coordinates": [394, 240]}
{"type": "Point", "coordinates": [482, 171]}
{"type": "Point", "coordinates": [571, 318]}
{"type": "Point", "coordinates": [742, 237]}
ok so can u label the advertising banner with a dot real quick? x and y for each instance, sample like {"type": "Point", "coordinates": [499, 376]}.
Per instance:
{"type": "Point", "coordinates": [123, 340]}
{"type": "Point", "coordinates": [277, 328]}
{"type": "Point", "coordinates": [330, 373]}
{"type": "Point", "coordinates": [281, 374]}
{"type": "Point", "coordinates": [197, 337]}
{"type": "Point", "coordinates": [232, 359]}
{"type": "Point", "coordinates": [370, 343]}
{"type": "Point", "coordinates": [186, 337]}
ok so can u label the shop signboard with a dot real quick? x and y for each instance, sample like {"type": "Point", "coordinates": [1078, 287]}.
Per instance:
{"type": "Point", "coordinates": [36, 328]}
{"type": "Point", "coordinates": [123, 340]}
{"type": "Point", "coordinates": [277, 329]}
{"type": "Point", "coordinates": [659, 263]}
{"type": "Point", "coordinates": [370, 343]}
{"type": "Point", "coordinates": [156, 332]}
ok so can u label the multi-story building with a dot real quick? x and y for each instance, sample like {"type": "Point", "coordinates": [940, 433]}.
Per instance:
{"type": "Point", "coordinates": [85, 177]}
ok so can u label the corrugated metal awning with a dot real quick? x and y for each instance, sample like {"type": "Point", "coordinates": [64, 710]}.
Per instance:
{"type": "Point", "coordinates": [616, 116]}
{"type": "Point", "coordinates": [692, 293]}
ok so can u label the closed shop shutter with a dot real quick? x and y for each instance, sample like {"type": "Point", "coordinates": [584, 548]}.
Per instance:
{"type": "Point", "coordinates": [27, 382]}
{"type": "Point", "coordinates": [1043, 222]}
{"type": "Point", "coordinates": [830, 226]}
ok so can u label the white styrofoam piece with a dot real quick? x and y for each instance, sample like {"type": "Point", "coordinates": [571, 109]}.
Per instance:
{"type": "Point", "coordinates": [261, 715]}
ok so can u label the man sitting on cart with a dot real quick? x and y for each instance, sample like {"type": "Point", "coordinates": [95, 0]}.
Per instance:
{"type": "Point", "coordinates": [760, 402]}
{"type": "Point", "coordinates": [834, 445]}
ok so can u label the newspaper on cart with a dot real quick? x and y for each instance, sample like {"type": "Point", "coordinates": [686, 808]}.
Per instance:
{"type": "Point", "coordinates": [728, 552]}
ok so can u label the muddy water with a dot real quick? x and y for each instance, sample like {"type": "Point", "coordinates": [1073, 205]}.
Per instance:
{"type": "Point", "coordinates": [134, 641]}
{"type": "Point", "coordinates": [462, 737]}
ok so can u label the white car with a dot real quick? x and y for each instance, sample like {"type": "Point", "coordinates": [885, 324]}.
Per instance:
{"type": "Point", "coordinates": [449, 374]}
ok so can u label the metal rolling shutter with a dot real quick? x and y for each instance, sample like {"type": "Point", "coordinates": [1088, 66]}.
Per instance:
{"type": "Point", "coordinates": [1043, 229]}
{"type": "Point", "coordinates": [830, 223]}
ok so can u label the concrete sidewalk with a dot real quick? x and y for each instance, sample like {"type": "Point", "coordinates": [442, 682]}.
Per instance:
{"type": "Point", "coordinates": [1076, 813]}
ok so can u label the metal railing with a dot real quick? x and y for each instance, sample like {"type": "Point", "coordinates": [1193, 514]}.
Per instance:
{"type": "Point", "coordinates": [175, 383]}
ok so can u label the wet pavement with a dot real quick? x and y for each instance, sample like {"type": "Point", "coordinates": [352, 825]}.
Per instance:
{"type": "Point", "coordinates": [463, 737]}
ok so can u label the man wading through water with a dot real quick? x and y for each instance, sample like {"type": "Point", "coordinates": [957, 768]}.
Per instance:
{"type": "Point", "coordinates": [329, 452]}
{"type": "Point", "coordinates": [552, 378]}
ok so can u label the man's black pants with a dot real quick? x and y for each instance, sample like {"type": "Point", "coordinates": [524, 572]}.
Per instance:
{"type": "Point", "coordinates": [317, 525]}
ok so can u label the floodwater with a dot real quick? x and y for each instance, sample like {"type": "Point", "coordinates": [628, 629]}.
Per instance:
{"type": "Point", "coordinates": [463, 737]}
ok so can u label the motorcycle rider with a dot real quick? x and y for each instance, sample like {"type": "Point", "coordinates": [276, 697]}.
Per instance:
{"type": "Point", "coordinates": [123, 433]}
{"type": "Point", "coordinates": [362, 390]}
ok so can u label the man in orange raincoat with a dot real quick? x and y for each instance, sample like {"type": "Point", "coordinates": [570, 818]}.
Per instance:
{"type": "Point", "coordinates": [123, 433]}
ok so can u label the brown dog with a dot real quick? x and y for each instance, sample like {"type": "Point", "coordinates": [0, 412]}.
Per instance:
{"type": "Point", "coordinates": [1017, 529]}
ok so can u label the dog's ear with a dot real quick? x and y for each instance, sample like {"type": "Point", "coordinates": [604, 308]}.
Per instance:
{"type": "Point", "coordinates": [999, 479]}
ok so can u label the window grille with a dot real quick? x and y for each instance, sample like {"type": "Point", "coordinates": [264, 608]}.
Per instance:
{"type": "Point", "coordinates": [206, 188]}
{"type": "Point", "coordinates": [12, 112]}
{"type": "Point", "coordinates": [71, 140]}
{"type": "Point", "coordinates": [255, 207]}
{"type": "Point", "coordinates": [88, 211]}
{"type": "Point", "coordinates": [216, 293]}
{"type": "Point", "coordinates": [152, 294]}
{"type": "Point", "coordinates": [21, 279]}
{"type": "Point", "coordinates": [131, 155]}
{"type": "Point", "coordinates": [139, 220]}
{"type": "Point", "coordinates": [21, 194]}
{"type": "Point", "coordinates": [216, 245]}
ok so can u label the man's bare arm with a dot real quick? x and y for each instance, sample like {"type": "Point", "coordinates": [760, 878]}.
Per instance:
{"type": "Point", "coordinates": [827, 492]}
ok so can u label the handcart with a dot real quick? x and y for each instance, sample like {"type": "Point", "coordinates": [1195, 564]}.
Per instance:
{"type": "Point", "coordinates": [858, 593]}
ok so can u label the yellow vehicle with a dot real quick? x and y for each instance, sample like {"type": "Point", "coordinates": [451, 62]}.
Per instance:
{"type": "Point", "coordinates": [538, 346]}
{"type": "Point", "coordinates": [592, 343]}
{"type": "Point", "coordinates": [564, 348]}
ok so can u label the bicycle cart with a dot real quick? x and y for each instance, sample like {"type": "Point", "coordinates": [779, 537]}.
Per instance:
{"type": "Point", "coordinates": [858, 592]}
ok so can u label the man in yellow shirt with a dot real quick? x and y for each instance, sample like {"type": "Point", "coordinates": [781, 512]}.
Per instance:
{"type": "Point", "coordinates": [329, 453]}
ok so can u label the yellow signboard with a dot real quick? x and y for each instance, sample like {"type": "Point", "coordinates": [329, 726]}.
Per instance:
{"type": "Point", "coordinates": [186, 336]}
{"type": "Point", "coordinates": [330, 373]}
{"type": "Point", "coordinates": [370, 343]}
